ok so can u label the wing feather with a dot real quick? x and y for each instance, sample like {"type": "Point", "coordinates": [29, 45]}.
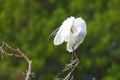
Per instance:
{"type": "Point", "coordinates": [63, 32]}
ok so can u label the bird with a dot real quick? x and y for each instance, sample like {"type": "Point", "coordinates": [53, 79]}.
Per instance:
{"type": "Point", "coordinates": [72, 31]}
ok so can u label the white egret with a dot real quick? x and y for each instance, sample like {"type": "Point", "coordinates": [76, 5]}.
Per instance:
{"type": "Point", "coordinates": [72, 31]}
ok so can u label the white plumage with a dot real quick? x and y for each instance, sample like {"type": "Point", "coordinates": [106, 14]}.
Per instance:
{"type": "Point", "coordinates": [72, 31]}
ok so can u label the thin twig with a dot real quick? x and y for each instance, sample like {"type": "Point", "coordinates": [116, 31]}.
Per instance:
{"type": "Point", "coordinates": [20, 55]}
{"type": "Point", "coordinates": [8, 46]}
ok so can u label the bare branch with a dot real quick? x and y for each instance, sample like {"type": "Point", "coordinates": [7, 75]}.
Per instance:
{"type": "Point", "coordinates": [29, 64]}
{"type": "Point", "coordinates": [70, 66]}
{"type": "Point", "coordinates": [20, 55]}
{"type": "Point", "coordinates": [74, 64]}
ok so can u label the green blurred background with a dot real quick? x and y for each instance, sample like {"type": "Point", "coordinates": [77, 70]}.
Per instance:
{"type": "Point", "coordinates": [28, 23]}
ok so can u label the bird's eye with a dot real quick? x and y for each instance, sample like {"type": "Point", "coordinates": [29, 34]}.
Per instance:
{"type": "Point", "coordinates": [71, 29]}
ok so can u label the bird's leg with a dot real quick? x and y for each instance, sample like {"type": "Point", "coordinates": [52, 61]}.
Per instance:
{"type": "Point", "coordinates": [74, 53]}
{"type": "Point", "coordinates": [74, 56]}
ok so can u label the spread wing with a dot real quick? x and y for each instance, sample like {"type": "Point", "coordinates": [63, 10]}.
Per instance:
{"type": "Point", "coordinates": [63, 32]}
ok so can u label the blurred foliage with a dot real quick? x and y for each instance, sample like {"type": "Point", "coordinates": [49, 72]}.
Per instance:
{"type": "Point", "coordinates": [28, 23]}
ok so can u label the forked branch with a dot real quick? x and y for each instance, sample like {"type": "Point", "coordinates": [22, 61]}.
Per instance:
{"type": "Point", "coordinates": [71, 67]}
{"type": "Point", "coordinates": [20, 55]}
